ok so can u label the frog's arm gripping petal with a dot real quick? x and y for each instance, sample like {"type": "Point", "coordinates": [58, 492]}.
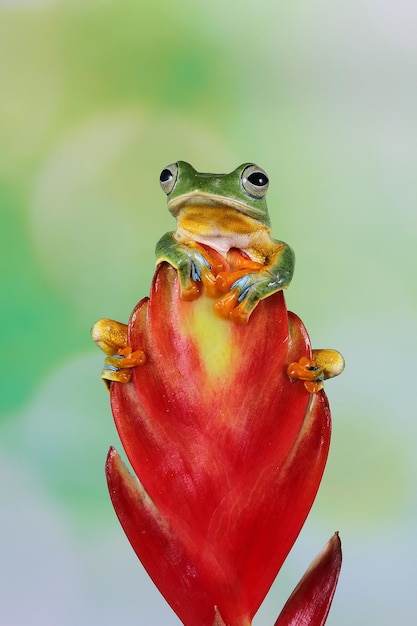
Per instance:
{"type": "Point", "coordinates": [191, 262]}
{"type": "Point", "coordinates": [324, 364]}
{"type": "Point", "coordinates": [111, 338]}
{"type": "Point", "coordinates": [253, 286]}
{"type": "Point", "coordinates": [280, 265]}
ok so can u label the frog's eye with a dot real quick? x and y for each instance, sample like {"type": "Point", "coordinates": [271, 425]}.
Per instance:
{"type": "Point", "coordinates": [168, 177]}
{"type": "Point", "coordinates": [255, 181]}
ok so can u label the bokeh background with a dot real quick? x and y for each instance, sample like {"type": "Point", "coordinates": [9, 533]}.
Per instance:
{"type": "Point", "coordinates": [96, 97]}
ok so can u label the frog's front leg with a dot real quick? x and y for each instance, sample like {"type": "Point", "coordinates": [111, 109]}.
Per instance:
{"type": "Point", "coordinates": [192, 264]}
{"type": "Point", "coordinates": [111, 338]}
{"type": "Point", "coordinates": [245, 293]}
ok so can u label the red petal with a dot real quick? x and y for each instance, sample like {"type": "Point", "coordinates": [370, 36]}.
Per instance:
{"type": "Point", "coordinates": [262, 519]}
{"type": "Point", "coordinates": [168, 562]}
{"type": "Point", "coordinates": [310, 601]}
{"type": "Point", "coordinates": [230, 451]}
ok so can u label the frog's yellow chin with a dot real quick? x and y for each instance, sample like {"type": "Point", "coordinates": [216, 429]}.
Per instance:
{"type": "Point", "coordinates": [210, 222]}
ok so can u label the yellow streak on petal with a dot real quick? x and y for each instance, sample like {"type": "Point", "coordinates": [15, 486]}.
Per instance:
{"type": "Point", "coordinates": [213, 337]}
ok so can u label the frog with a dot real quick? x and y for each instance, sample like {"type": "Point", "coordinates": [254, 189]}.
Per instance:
{"type": "Point", "coordinates": [222, 246]}
{"type": "Point", "coordinates": [227, 214]}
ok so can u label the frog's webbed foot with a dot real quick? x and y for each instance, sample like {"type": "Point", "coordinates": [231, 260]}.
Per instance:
{"type": "Point", "coordinates": [197, 268]}
{"type": "Point", "coordinates": [251, 281]}
{"type": "Point", "coordinates": [111, 338]}
{"type": "Point", "coordinates": [324, 364]}
{"type": "Point", "coordinates": [244, 292]}
{"type": "Point", "coordinates": [190, 269]}
{"type": "Point", "coordinates": [118, 367]}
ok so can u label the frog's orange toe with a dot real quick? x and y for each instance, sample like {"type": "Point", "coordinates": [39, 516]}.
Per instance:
{"type": "Point", "coordinates": [191, 291]}
{"type": "Point", "coordinates": [225, 306]}
{"type": "Point", "coordinates": [210, 286]}
{"type": "Point", "coordinates": [131, 358]}
{"type": "Point", "coordinates": [240, 314]}
{"type": "Point", "coordinates": [314, 387]}
{"type": "Point", "coordinates": [304, 369]}
{"type": "Point", "coordinates": [110, 374]}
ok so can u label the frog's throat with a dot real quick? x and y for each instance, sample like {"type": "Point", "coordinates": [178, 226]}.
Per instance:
{"type": "Point", "coordinates": [198, 198]}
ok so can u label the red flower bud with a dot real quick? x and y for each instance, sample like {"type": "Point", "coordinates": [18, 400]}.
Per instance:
{"type": "Point", "coordinates": [229, 451]}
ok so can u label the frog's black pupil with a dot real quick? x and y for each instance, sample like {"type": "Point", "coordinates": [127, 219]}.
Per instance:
{"type": "Point", "coordinates": [165, 176]}
{"type": "Point", "coordinates": [258, 179]}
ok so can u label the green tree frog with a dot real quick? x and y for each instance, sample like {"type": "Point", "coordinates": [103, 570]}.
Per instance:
{"type": "Point", "coordinates": [224, 214]}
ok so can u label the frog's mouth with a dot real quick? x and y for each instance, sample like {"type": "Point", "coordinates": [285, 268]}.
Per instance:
{"type": "Point", "coordinates": [198, 198]}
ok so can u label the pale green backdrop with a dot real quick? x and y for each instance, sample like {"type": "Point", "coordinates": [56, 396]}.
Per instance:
{"type": "Point", "coordinates": [96, 96]}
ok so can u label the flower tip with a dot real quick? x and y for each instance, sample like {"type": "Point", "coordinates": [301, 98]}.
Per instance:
{"type": "Point", "coordinates": [112, 453]}
{"type": "Point", "coordinates": [310, 602]}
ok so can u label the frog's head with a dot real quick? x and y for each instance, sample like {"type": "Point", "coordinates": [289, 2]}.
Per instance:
{"type": "Point", "coordinates": [243, 190]}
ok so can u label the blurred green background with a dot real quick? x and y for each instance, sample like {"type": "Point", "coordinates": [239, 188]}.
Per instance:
{"type": "Point", "coordinates": [96, 98]}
